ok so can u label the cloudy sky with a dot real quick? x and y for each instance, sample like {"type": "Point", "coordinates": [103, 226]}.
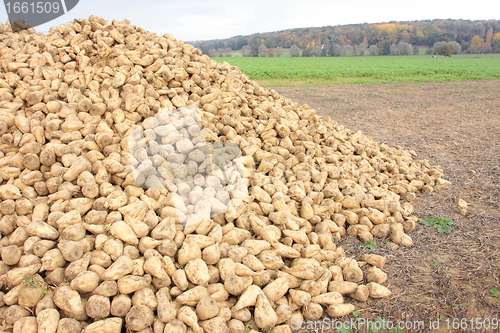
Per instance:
{"type": "Point", "coordinates": [201, 19]}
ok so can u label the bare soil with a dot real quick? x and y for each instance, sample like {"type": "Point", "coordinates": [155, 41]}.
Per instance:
{"type": "Point", "coordinates": [443, 277]}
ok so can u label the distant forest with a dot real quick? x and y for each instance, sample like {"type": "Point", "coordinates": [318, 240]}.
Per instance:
{"type": "Point", "coordinates": [473, 36]}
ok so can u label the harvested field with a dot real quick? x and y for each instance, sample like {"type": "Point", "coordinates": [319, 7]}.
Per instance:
{"type": "Point", "coordinates": [454, 125]}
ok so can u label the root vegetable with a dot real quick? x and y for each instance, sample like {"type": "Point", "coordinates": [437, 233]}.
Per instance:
{"type": "Point", "coordinates": [85, 282]}
{"type": "Point", "coordinates": [236, 326]}
{"type": "Point", "coordinates": [340, 310]}
{"type": "Point", "coordinates": [166, 309]}
{"type": "Point", "coordinates": [217, 324]}
{"type": "Point", "coordinates": [282, 329]}
{"type": "Point", "coordinates": [361, 294]}
{"type": "Point", "coordinates": [33, 291]}
{"type": "Point", "coordinates": [352, 273]}
{"type": "Point", "coordinates": [378, 291]}
{"type": "Point", "coordinates": [121, 267]}
{"type": "Point", "coordinates": [131, 283]}
{"type": "Point", "coordinates": [234, 285]}
{"type": "Point", "coordinates": [154, 267]}
{"type": "Point", "coordinates": [47, 320]}
{"type": "Point", "coordinates": [313, 311]}
{"type": "Point", "coordinates": [68, 325]}
{"type": "Point", "coordinates": [14, 313]}
{"type": "Point", "coordinates": [375, 260]}
{"type": "Point", "coordinates": [328, 298]}
{"type": "Point", "coordinates": [106, 288]}
{"type": "Point", "coordinates": [17, 275]}
{"type": "Point", "coordinates": [265, 317]}
{"type": "Point", "coordinates": [124, 232]}
{"type": "Point", "coordinates": [109, 325]}
{"type": "Point", "coordinates": [70, 302]}
{"type": "Point", "coordinates": [145, 296]}
{"type": "Point", "coordinates": [192, 296]}
{"type": "Point", "coordinates": [399, 237]}
{"type": "Point", "coordinates": [26, 325]}
{"type": "Point", "coordinates": [139, 317]}
{"type": "Point", "coordinates": [207, 308]}
{"type": "Point", "coordinates": [375, 274]}
{"type": "Point", "coordinates": [120, 305]}
{"type": "Point", "coordinates": [243, 315]}
{"type": "Point", "coordinates": [276, 289]}
{"type": "Point", "coordinates": [197, 272]}
{"type": "Point", "coordinates": [300, 297]}
{"type": "Point", "coordinates": [46, 302]}
{"type": "Point", "coordinates": [98, 307]}
{"type": "Point", "coordinates": [11, 255]}
{"type": "Point", "coordinates": [283, 313]}
{"type": "Point", "coordinates": [343, 287]}
{"type": "Point", "coordinates": [248, 298]}
{"type": "Point", "coordinates": [175, 326]}
{"type": "Point", "coordinates": [189, 317]}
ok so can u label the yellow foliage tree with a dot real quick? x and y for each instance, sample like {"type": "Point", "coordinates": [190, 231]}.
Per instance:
{"type": "Point", "coordinates": [476, 42]}
{"type": "Point", "coordinates": [496, 40]}
{"type": "Point", "coordinates": [489, 36]}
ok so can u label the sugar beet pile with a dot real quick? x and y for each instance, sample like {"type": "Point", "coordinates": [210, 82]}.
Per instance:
{"type": "Point", "coordinates": [91, 241]}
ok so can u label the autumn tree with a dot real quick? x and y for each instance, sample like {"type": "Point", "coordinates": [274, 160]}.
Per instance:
{"type": "Point", "coordinates": [485, 48]}
{"type": "Point", "coordinates": [446, 50]}
{"type": "Point", "coordinates": [384, 47]}
{"type": "Point", "coordinates": [466, 47]}
{"type": "Point", "coordinates": [337, 50]}
{"type": "Point", "coordinates": [436, 48]}
{"type": "Point", "coordinates": [489, 36]}
{"type": "Point", "coordinates": [262, 51]}
{"type": "Point", "coordinates": [457, 48]}
{"type": "Point", "coordinates": [270, 53]}
{"type": "Point", "coordinates": [404, 48]}
{"type": "Point", "coordinates": [496, 41]}
{"type": "Point", "coordinates": [255, 50]}
{"type": "Point", "coordinates": [331, 51]}
{"type": "Point", "coordinates": [476, 43]}
{"type": "Point", "coordinates": [294, 51]}
{"type": "Point", "coordinates": [362, 48]}
{"type": "Point", "coordinates": [279, 51]}
{"type": "Point", "coordinates": [394, 49]}
{"type": "Point", "coordinates": [246, 51]}
{"type": "Point", "coordinates": [373, 50]}
{"type": "Point", "coordinates": [316, 51]}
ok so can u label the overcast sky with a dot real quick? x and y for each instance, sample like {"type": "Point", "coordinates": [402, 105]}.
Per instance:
{"type": "Point", "coordinates": [201, 20]}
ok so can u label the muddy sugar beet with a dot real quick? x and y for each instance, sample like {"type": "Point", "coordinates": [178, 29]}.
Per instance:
{"type": "Point", "coordinates": [146, 186]}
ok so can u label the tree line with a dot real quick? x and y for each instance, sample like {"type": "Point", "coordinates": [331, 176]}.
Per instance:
{"type": "Point", "coordinates": [481, 36]}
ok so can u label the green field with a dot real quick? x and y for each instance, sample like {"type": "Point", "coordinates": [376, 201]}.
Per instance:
{"type": "Point", "coordinates": [380, 69]}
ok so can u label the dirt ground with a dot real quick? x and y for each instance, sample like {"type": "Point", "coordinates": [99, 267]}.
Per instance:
{"type": "Point", "coordinates": [443, 278]}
